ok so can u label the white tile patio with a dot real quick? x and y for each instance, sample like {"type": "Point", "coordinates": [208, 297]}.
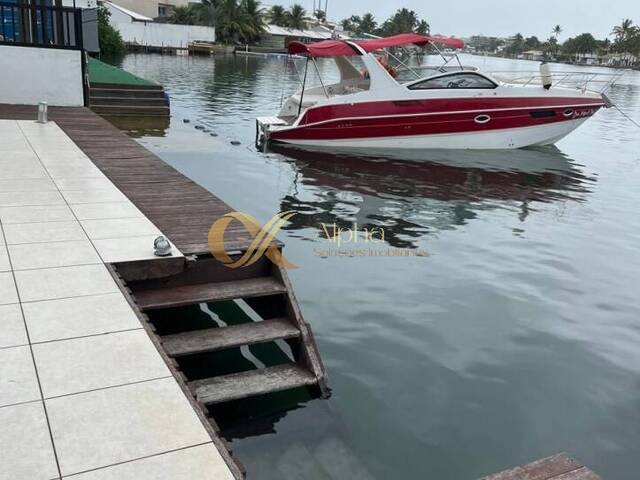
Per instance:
{"type": "Point", "coordinates": [78, 317]}
{"type": "Point", "coordinates": [120, 424]}
{"type": "Point", "coordinates": [64, 282]}
{"type": "Point", "coordinates": [12, 329]}
{"type": "Point", "coordinates": [202, 463]}
{"type": "Point", "coordinates": [18, 383]}
{"type": "Point", "coordinates": [8, 293]}
{"type": "Point", "coordinates": [28, 256]}
{"type": "Point", "coordinates": [89, 363]}
{"type": "Point", "coordinates": [18, 233]}
{"type": "Point", "coordinates": [69, 340]}
{"type": "Point", "coordinates": [25, 443]}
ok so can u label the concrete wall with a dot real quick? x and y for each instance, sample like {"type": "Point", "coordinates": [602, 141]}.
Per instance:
{"type": "Point", "coordinates": [163, 34]}
{"type": "Point", "coordinates": [29, 75]}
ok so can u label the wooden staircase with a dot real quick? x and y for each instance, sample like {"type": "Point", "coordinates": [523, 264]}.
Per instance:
{"type": "Point", "coordinates": [266, 289]}
{"type": "Point", "coordinates": [128, 100]}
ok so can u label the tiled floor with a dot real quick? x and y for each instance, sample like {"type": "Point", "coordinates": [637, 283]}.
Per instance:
{"type": "Point", "coordinates": [83, 390]}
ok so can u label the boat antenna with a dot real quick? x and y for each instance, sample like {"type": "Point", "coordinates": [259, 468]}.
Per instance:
{"type": "Point", "coordinates": [304, 82]}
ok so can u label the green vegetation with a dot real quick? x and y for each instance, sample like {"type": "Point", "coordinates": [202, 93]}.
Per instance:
{"type": "Point", "coordinates": [235, 21]}
{"type": "Point", "coordinates": [626, 41]}
{"type": "Point", "coordinates": [100, 72]}
{"type": "Point", "coordinates": [403, 21]}
{"type": "Point", "coordinates": [111, 44]}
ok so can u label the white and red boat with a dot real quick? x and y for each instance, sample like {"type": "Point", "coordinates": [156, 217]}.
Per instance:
{"type": "Point", "coordinates": [449, 107]}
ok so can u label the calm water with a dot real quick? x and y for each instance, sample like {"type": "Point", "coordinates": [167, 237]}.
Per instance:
{"type": "Point", "coordinates": [516, 338]}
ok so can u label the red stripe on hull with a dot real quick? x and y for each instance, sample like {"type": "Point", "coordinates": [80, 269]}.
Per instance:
{"type": "Point", "coordinates": [437, 105]}
{"type": "Point", "coordinates": [398, 126]}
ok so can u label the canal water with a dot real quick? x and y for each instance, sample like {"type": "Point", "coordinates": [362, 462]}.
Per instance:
{"type": "Point", "coordinates": [514, 333]}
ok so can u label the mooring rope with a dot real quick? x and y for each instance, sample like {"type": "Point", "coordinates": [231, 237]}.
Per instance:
{"type": "Point", "coordinates": [626, 116]}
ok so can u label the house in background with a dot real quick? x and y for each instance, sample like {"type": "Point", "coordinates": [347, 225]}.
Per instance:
{"type": "Point", "coordinates": [152, 8]}
{"type": "Point", "coordinates": [276, 39]}
{"type": "Point", "coordinates": [140, 30]}
{"type": "Point", "coordinates": [42, 55]}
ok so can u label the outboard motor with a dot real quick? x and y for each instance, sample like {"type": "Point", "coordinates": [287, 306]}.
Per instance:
{"type": "Point", "coordinates": [545, 75]}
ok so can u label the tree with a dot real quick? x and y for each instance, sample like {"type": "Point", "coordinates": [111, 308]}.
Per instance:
{"type": "Point", "coordinates": [111, 43]}
{"type": "Point", "coordinates": [184, 15]}
{"type": "Point", "coordinates": [297, 17]}
{"type": "Point", "coordinates": [531, 43]}
{"type": "Point", "coordinates": [255, 18]}
{"type": "Point", "coordinates": [320, 15]}
{"type": "Point", "coordinates": [232, 22]}
{"type": "Point", "coordinates": [557, 30]}
{"type": "Point", "coordinates": [516, 46]}
{"type": "Point", "coordinates": [277, 15]}
{"type": "Point", "coordinates": [367, 23]}
{"type": "Point", "coordinates": [624, 29]}
{"type": "Point", "coordinates": [403, 21]}
{"type": "Point", "coordinates": [423, 28]}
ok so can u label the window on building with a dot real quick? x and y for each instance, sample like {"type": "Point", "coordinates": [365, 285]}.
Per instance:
{"type": "Point", "coordinates": [454, 80]}
{"type": "Point", "coordinates": [164, 10]}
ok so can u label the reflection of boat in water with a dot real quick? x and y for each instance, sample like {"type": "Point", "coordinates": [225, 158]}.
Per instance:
{"type": "Point", "coordinates": [411, 199]}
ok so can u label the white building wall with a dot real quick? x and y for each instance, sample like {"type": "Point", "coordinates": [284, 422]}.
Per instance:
{"type": "Point", "coordinates": [163, 34]}
{"type": "Point", "coordinates": [29, 75]}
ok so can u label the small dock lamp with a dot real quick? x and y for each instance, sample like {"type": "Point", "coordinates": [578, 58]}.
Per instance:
{"type": "Point", "coordinates": [161, 247]}
{"type": "Point", "coordinates": [43, 112]}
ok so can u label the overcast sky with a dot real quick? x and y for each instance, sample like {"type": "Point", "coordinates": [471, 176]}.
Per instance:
{"type": "Point", "coordinates": [496, 17]}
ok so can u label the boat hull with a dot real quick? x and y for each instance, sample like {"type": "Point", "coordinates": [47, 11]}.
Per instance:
{"type": "Point", "coordinates": [454, 123]}
{"type": "Point", "coordinates": [508, 138]}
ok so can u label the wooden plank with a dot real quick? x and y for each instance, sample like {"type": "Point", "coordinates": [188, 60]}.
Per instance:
{"type": "Point", "coordinates": [255, 382]}
{"type": "Point", "coordinates": [212, 339]}
{"type": "Point", "coordinates": [207, 292]}
{"type": "Point", "coordinates": [581, 474]}
{"type": "Point", "coordinates": [556, 467]}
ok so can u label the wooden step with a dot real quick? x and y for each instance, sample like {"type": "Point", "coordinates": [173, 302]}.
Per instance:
{"type": "Point", "coordinates": [128, 101]}
{"type": "Point", "coordinates": [212, 339]}
{"type": "Point", "coordinates": [254, 382]}
{"type": "Point", "coordinates": [130, 110]}
{"type": "Point", "coordinates": [124, 92]}
{"type": "Point", "coordinates": [208, 292]}
{"type": "Point", "coordinates": [125, 86]}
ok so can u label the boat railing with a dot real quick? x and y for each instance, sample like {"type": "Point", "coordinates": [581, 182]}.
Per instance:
{"type": "Point", "coordinates": [594, 81]}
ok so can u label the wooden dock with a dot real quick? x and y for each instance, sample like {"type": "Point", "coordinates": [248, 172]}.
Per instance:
{"type": "Point", "coordinates": [184, 212]}
{"type": "Point", "coordinates": [556, 467]}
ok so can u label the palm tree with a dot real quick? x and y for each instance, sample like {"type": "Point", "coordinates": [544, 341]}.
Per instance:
{"type": "Point", "coordinates": [232, 22]}
{"type": "Point", "coordinates": [624, 29]}
{"type": "Point", "coordinates": [255, 18]}
{"type": "Point", "coordinates": [557, 30]}
{"type": "Point", "coordinates": [277, 15]}
{"type": "Point", "coordinates": [206, 11]}
{"type": "Point", "coordinates": [367, 23]}
{"type": "Point", "coordinates": [297, 17]}
{"type": "Point", "coordinates": [184, 15]}
{"type": "Point", "coordinates": [320, 16]}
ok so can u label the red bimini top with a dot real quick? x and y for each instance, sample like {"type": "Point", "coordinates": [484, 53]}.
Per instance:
{"type": "Point", "coordinates": [341, 48]}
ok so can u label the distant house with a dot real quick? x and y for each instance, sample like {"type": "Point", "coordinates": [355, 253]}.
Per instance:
{"type": "Point", "coordinates": [620, 60]}
{"type": "Point", "coordinates": [277, 38]}
{"type": "Point", "coordinates": [152, 8]}
{"type": "Point", "coordinates": [591, 58]}
{"type": "Point", "coordinates": [141, 30]}
{"type": "Point", "coordinates": [535, 55]}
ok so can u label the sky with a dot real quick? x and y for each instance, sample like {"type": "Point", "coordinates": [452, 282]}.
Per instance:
{"type": "Point", "coordinates": [500, 18]}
